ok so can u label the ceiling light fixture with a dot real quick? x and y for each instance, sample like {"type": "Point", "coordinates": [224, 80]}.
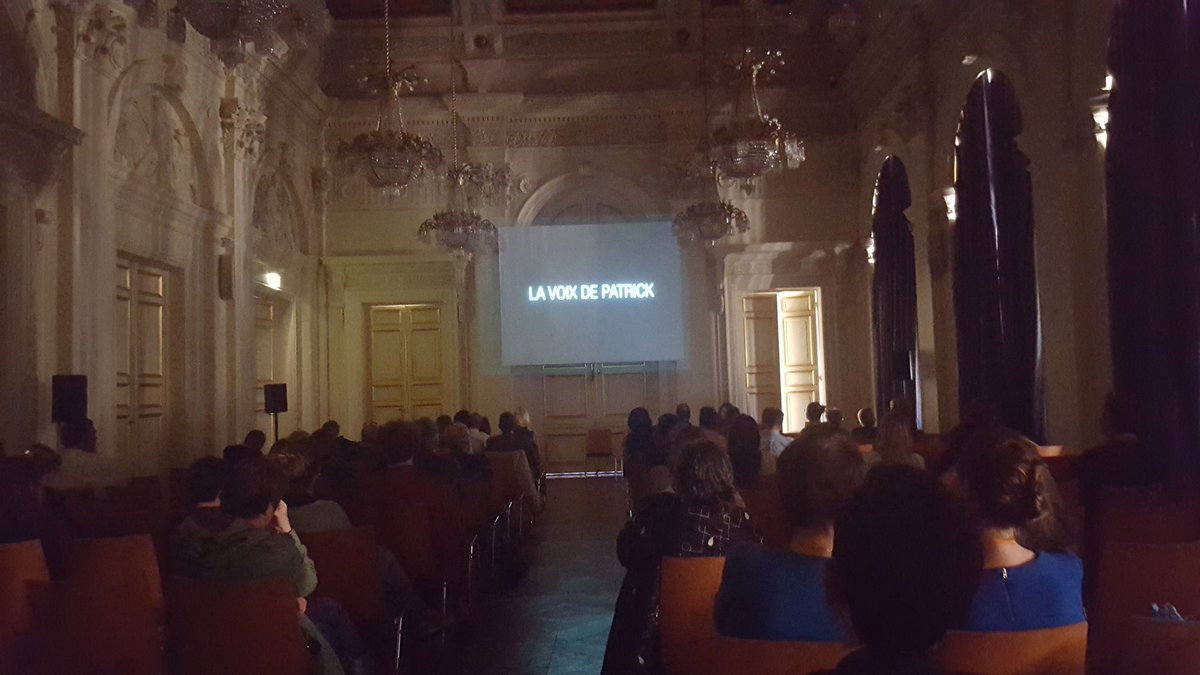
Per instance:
{"type": "Point", "coordinates": [460, 227]}
{"type": "Point", "coordinates": [390, 157]}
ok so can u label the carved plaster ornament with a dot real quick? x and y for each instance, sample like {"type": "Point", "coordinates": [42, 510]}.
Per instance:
{"type": "Point", "coordinates": [151, 144]}
{"type": "Point", "coordinates": [321, 179]}
{"type": "Point", "coordinates": [102, 36]}
{"type": "Point", "coordinates": [243, 126]}
{"type": "Point", "coordinates": [276, 213]}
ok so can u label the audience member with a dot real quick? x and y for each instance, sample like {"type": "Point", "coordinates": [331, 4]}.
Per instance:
{"type": "Point", "coordinates": [1021, 589]}
{"type": "Point", "coordinates": [81, 466]}
{"type": "Point", "coordinates": [479, 437]}
{"type": "Point", "coordinates": [865, 432]}
{"type": "Point", "coordinates": [205, 482]}
{"type": "Point", "coordinates": [905, 564]}
{"type": "Point", "coordinates": [712, 426]}
{"type": "Point", "coordinates": [895, 442]}
{"type": "Point", "coordinates": [44, 458]}
{"type": "Point", "coordinates": [485, 426]}
{"type": "Point", "coordinates": [834, 418]}
{"type": "Point", "coordinates": [772, 441]}
{"type": "Point", "coordinates": [701, 518]}
{"type": "Point", "coordinates": [683, 420]}
{"type": "Point", "coordinates": [743, 450]}
{"type": "Point", "coordinates": [470, 422]}
{"type": "Point", "coordinates": [523, 428]}
{"type": "Point", "coordinates": [25, 514]}
{"type": "Point", "coordinates": [442, 422]}
{"type": "Point", "coordinates": [256, 440]}
{"type": "Point", "coordinates": [306, 512]}
{"type": "Point", "coordinates": [637, 450]}
{"type": "Point", "coordinates": [780, 595]}
{"type": "Point", "coordinates": [1119, 460]}
{"type": "Point", "coordinates": [510, 441]}
{"type": "Point", "coordinates": [250, 537]}
{"type": "Point", "coordinates": [813, 414]}
{"type": "Point", "coordinates": [232, 454]}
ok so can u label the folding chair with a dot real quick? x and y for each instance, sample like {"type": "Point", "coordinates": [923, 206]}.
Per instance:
{"type": "Point", "coordinates": [688, 589]}
{"type": "Point", "coordinates": [21, 564]}
{"type": "Point", "coordinates": [1052, 651]}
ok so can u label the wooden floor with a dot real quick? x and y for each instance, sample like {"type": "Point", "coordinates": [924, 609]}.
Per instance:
{"type": "Point", "coordinates": [556, 621]}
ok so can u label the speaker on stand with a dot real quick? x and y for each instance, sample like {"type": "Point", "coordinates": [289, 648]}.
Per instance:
{"type": "Point", "coordinates": [275, 402]}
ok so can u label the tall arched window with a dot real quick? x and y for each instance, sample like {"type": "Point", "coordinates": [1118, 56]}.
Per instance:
{"type": "Point", "coordinates": [894, 292]}
{"type": "Point", "coordinates": [995, 272]}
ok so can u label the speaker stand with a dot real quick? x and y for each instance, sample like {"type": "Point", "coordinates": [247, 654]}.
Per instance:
{"type": "Point", "coordinates": [275, 418]}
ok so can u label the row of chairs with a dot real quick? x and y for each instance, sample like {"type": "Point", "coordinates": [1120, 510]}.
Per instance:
{"type": "Point", "coordinates": [691, 645]}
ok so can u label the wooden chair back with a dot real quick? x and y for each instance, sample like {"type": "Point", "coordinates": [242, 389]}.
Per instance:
{"type": "Point", "coordinates": [81, 626]}
{"type": "Point", "coordinates": [729, 656]}
{"type": "Point", "coordinates": [1130, 579]}
{"type": "Point", "coordinates": [1162, 647]}
{"type": "Point", "coordinates": [21, 564]}
{"type": "Point", "coordinates": [767, 516]}
{"type": "Point", "coordinates": [1154, 522]}
{"type": "Point", "coordinates": [235, 629]}
{"type": "Point", "coordinates": [599, 442]}
{"type": "Point", "coordinates": [409, 536]}
{"type": "Point", "coordinates": [348, 571]}
{"type": "Point", "coordinates": [1052, 651]}
{"type": "Point", "coordinates": [505, 483]}
{"type": "Point", "coordinates": [688, 589]}
{"type": "Point", "coordinates": [129, 563]}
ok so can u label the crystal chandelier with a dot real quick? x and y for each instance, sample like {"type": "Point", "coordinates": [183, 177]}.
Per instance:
{"type": "Point", "coordinates": [459, 227]}
{"type": "Point", "coordinates": [710, 221]}
{"type": "Point", "coordinates": [752, 146]}
{"type": "Point", "coordinates": [389, 157]}
{"type": "Point", "coordinates": [230, 24]}
{"type": "Point", "coordinates": [712, 218]}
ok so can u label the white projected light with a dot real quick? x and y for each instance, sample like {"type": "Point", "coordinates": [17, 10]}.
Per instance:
{"type": "Point", "coordinates": [574, 294]}
{"type": "Point", "coordinates": [273, 281]}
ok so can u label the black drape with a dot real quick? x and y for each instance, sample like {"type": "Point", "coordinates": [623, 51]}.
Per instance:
{"type": "Point", "coordinates": [995, 273]}
{"type": "Point", "coordinates": [894, 296]}
{"type": "Point", "coordinates": [1153, 235]}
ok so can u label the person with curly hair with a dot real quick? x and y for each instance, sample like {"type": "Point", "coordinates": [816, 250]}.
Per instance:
{"type": "Point", "coordinates": [1021, 589]}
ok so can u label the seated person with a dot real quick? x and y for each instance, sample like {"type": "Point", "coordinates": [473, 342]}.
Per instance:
{"type": "Point", "coordinates": [305, 510]}
{"type": "Point", "coordinates": [250, 537]}
{"type": "Point", "coordinates": [80, 465]}
{"type": "Point", "coordinates": [702, 517]}
{"type": "Point", "coordinates": [780, 595]}
{"type": "Point", "coordinates": [743, 452]}
{"type": "Point", "coordinates": [773, 442]}
{"type": "Point", "coordinates": [206, 481]}
{"type": "Point", "coordinates": [864, 433]}
{"type": "Point", "coordinates": [905, 564]}
{"type": "Point", "coordinates": [1020, 589]}
{"type": "Point", "coordinates": [895, 444]}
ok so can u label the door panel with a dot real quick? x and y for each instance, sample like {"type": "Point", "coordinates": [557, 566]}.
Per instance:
{"type": "Point", "coordinates": [802, 379]}
{"type": "Point", "coordinates": [408, 370]}
{"type": "Point", "coordinates": [141, 360]}
{"type": "Point", "coordinates": [761, 322]}
{"type": "Point", "coordinates": [589, 396]}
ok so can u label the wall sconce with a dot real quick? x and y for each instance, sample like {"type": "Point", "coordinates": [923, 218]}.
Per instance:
{"type": "Point", "coordinates": [950, 196]}
{"type": "Point", "coordinates": [1100, 116]}
{"type": "Point", "coordinates": [273, 281]}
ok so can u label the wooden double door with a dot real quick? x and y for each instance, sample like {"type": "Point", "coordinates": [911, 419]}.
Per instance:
{"type": "Point", "coordinates": [410, 363]}
{"type": "Point", "coordinates": [578, 398]}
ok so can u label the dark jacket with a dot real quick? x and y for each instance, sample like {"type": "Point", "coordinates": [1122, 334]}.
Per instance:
{"type": "Point", "coordinates": [663, 526]}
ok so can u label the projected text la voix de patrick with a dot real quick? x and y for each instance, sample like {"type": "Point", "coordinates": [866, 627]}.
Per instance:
{"type": "Point", "coordinates": [591, 292]}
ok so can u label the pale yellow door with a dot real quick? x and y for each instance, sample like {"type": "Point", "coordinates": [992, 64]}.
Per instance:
{"type": "Point", "coordinates": [141, 359]}
{"type": "Point", "coordinates": [801, 362]}
{"type": "Point", "coordinates": [409, 362]}
{"type": "Point", "coordinates": [760, 321]}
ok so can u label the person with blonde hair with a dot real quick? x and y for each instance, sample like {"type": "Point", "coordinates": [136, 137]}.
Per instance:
{"type": "Point", "coordinates": [523, 430]}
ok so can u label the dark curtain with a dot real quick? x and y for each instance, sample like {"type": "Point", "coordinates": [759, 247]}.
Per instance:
{"type": "Point", "coordinates": [894, 296]}
{"type": "Point", "coordinates": [1153, 235]}
{"type": "Point", "coordinates": [995, 274]}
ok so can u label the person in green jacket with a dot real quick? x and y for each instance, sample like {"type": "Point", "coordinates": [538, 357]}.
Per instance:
{"type": "Point", "coordinates": [249, 537]}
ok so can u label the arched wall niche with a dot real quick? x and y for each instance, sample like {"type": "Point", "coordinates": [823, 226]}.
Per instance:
{"type": "Point", "coordinates": [580, 196]}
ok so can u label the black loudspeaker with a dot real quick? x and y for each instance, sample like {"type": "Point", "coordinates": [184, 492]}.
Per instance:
{"type": "Point", "coordinates": [275, 398]}
{"type": "Point", "coordinates": [68, 398]}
